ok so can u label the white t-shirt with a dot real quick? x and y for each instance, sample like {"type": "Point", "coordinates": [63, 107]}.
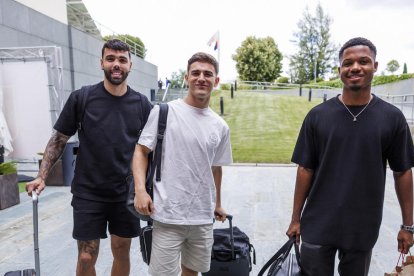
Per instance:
{"type": "Point", "coordinates": [195, 140]}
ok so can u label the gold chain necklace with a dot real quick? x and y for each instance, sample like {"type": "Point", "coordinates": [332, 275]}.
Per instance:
{"type": "Point", "coordinates": [352, 114]}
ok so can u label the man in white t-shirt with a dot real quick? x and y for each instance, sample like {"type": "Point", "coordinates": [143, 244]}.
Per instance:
{"type": "Point", "coordinates": [196, 145]}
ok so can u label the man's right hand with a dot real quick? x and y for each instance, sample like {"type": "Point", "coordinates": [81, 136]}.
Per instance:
{"type": "Point", "coordinates": [37, 185]}
{"type": "Point", "coordinates": [143, 203]}
{"type": "Point", "coordinates": [294, 230]}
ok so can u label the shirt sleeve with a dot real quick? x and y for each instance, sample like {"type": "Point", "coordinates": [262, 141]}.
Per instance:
{"type": "Point", "coordinates": [223, 154]}
{"type": "Point", "coordinates": [401, 150]}
{"type": "Point", "coordinates": [304, 152]}
{"type": "Point", "coordinates": [148, 136]}
{"type": "Point", "coordinates": [66, 123]}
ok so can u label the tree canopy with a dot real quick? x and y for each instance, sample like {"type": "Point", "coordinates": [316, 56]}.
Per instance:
{"type": "Point", "coordinates": [135, 43]}
{"type": "Point", "coordinates": [392, 66]}
{"type": "Point", "coordinates": [316, 55]}
{"type": "Point", "coordinates": [258, 59]}
{"type": "Point", "coordinates": [177, 79]}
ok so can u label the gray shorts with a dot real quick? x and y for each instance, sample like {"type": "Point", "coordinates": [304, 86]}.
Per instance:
{"type": "Point", "coordinates": [194, 242]}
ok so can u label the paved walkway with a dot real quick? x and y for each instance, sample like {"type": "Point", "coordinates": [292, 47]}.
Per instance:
{"type": "Point", "coordinates": [259, 197]}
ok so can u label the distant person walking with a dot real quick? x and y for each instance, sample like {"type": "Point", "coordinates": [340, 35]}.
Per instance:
{"type": "Point", "coordinates": [342, 153]}
{"type": "Point", "coordinates": [188, 197]}
{"type": "Point", "coordinates": [113, 115]}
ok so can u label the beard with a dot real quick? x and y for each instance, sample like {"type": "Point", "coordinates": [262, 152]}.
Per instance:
{"type": "Point", "coordinates": [113, 80]}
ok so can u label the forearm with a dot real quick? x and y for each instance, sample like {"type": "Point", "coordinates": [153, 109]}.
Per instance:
{"type": "Point", "coordinates": [217, 175]}
{"type": "Point", "coordinates": [53, 151]}
{"type": "Point", "coordinates": [303, 184]}
{"type": "Point", "coordinates": [139, 167]}
{"type": "Point", "coordinates": [404, 189]}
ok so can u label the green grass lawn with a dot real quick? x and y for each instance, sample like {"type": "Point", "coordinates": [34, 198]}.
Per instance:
{"type": "Point", "coordinates": [263, 127]}
{"type": "Point", "coordinates": [22, 187]}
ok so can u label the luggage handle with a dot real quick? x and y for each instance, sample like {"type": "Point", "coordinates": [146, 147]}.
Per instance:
{"type": "Point", "coordinates": [36, 232]}
{"type": "Point", "coordinates": [230, 219]}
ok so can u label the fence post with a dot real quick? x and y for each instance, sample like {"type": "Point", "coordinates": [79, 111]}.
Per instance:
{"type": "Point", "coordinates": [235, 85]}
{"type": "Point", "coordinates": [231, 91]}
{"type": "Point", "coordinates": [324, 97]}
{"type": "Point", "coordinates": [300, 90]}
{"type": "Point", "coordinates": [310, 94]}
{"type": "Point", "coordinates": [221, 106]}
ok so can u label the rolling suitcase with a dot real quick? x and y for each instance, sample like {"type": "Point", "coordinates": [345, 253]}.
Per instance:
{"type": "Point", "coordinates": [31, 271]}
{"type": "Point", "coordinates": [231, 252]}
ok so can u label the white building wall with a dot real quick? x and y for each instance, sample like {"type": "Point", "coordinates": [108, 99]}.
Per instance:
{"type": "Point", "coordinates": [55, 9]}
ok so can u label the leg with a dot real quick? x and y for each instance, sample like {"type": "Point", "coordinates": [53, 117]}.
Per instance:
{"type": "Point", "coordinates": [167, 242]}
{"type": "Point", "coordinates": [187, 272]}
{"type": "Point", "coordinates": [122, 226]}
{"type": "Point", "coordinates": [120, 250]}
{"type": "Point", "coordinates": [87, 256]}
{"type": "Point", "coordinates": [352, 262]}
{"type": "Point", "coordinates": [89, 226]}
{"type": "Point", "coordinates": [196, 251]}
{"type": "Point", "coordinates": [317, 259]}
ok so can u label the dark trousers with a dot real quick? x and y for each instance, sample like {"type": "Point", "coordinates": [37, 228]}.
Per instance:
{"type": "Point", "coordinates": [318, 260]}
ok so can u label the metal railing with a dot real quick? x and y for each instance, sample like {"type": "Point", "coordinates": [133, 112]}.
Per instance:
{"type": "Point", "coordinates": [403, 102]}
{"type": "Point", "coordinates": [84, 22]}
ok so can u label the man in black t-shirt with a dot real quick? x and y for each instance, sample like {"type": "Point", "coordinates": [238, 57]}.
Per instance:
{"type": "Point", "coordinates": [111, 121]}
{"type": "Point", "coordinates": [342, 153]}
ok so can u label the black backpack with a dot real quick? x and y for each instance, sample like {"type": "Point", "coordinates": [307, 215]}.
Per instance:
{"type": "Point", "coordinates": [154, 165]}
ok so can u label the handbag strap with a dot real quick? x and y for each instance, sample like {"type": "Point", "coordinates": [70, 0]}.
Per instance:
{"type": "Point", "coordinates": [283, 251]}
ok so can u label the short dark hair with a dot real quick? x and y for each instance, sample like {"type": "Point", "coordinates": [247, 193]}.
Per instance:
{"type": "Point", "coordinates": [116, 44]}
{"type": "Point", "coordinates": [203, 57]}
{"type": "Point", "coordinates": [356, 41]}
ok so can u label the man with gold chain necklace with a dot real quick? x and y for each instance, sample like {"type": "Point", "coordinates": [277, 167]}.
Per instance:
{"type": "Point", "coordinates": [342, 153]}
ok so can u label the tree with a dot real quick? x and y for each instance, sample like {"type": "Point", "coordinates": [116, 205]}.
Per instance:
{"type": "Point", "coordinates": [392, 66]}
{"type": "Point", "coordinates": [177, 79]}
{"type": "Point", "coordinates": [135, 43]}
{"type": "Point", "coordinates": [405, 68]}
{"type": "Point", "coordinates": [258, 59]}
{"type": "Point", "coordinates": [316, 54]}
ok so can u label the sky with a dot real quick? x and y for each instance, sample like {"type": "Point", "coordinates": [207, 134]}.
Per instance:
{"type": "Point", "coordinates": [173, 30]}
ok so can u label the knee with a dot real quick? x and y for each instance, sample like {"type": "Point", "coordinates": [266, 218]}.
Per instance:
{"type": "Point", "coordinates": [120, 249]}
{"type": "Point", "coordinates": [85, 261]}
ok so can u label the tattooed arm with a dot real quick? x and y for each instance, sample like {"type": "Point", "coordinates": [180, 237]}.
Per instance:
{"type": "Point", "coordinates": [53, 151]}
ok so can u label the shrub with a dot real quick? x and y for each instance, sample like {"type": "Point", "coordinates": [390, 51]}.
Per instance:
{"type": "Point", "coordinates": [283, 80]}
{"type": "Point", "coordinates": [8, 168]}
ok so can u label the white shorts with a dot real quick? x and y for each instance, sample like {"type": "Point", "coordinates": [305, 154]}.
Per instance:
{"type": "Point", "coordinates": [194, 242]}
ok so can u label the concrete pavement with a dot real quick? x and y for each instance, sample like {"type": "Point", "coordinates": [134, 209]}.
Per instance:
{"type": "Point", "coordinates": [259, 197]}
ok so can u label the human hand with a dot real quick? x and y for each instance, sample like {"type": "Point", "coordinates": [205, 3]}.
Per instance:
{"type": "Point", "coordinates": [37, 185]}
{"type": "Point", "coordinates": [143, 203]}
{"type": "Point", "coordinates": [405, 241]}
{"type": "Point", "coordinates": [294, 230]}
{"type": "Point", "coordinates": [220, 214]}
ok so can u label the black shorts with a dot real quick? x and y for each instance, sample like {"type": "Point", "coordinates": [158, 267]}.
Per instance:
{"type": "Point", "coordinates": [92, 218]}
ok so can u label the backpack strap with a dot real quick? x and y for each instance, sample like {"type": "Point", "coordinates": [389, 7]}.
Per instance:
{"type": "Point", "coordinates": [162, 124]}
{"type": "Point", "coordinates": [81, 106]}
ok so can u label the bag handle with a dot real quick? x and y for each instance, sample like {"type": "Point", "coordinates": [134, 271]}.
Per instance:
{"type": "Point", "coordinates": [282, 252]}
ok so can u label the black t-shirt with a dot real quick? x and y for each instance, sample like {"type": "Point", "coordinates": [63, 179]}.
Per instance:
{"type": "Point", "coordinates": [110, 130]}
{"type": "Point", "coordinates": [345, 202]}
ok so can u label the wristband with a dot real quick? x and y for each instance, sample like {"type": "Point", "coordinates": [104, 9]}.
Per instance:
{"type": "Point", "coordinates": [408, 228]}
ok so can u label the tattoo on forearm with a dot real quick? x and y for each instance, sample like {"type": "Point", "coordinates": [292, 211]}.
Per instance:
{"type": "Point", "coordinates": [54, 150]}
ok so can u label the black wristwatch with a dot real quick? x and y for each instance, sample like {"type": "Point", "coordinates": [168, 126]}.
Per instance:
{"type": "Point", "coordinates": [408, 228]}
